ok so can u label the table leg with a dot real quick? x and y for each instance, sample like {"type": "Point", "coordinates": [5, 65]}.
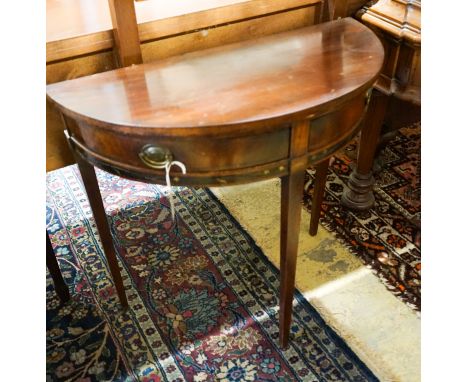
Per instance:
{"type": "Point", "coordinates": [360, 195]}
{"type": "Point", "coordinates": [291, 197]}
{"type": "Point", "coordinates": [319, 190]}
{"type": "Point", "coordinates": [60, 286]}
{"type": "Point", "coordinates": [292, 187]}
{"type": "Point", "coordinates": [91, 185]}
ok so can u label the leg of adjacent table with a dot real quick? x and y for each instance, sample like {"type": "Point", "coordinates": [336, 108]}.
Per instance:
{"type": "Point", "coordinates": [91, 185]}
{"type": "Point", "coordinates": [360, 195]}
{"type": "Point", "coordinates": [60, 286]}
{"type": "Point", "coordinates": [319, 190]}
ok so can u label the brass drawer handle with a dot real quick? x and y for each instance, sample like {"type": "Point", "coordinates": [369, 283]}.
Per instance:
{"type": "Point", "coordinates": [155, 156]}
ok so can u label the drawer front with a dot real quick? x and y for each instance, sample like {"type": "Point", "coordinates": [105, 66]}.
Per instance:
{"type": "Point", "coordinates": [331, 129]}
{"type": "Point", "coordinates": [199, 154]}
{"type": "Point", "coordinates": [213, 161]}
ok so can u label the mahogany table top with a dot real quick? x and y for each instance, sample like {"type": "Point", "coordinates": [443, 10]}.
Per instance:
{"type": "Point", "coordinates": [284, 77]}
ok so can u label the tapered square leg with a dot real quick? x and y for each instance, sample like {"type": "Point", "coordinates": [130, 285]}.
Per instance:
{"type": "Point", "coordinates": [291, 197]}
{"type": "Point", "coordinates": [88, 175]}
{"type": "Point", "coordinates": [319, 190]}
{"type": "Point", "coordinates": [292, 187]}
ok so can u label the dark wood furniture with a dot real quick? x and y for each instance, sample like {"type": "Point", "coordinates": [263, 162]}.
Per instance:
{"type": "Point", "coordinates": [396, 99]}
{"type": "Point", "coordinates": [243, 112]}
{"type": "Point", "coordinates": [51, 261]}
{"type": "Point", "coordinates": [337, 9]}
{"type": "Point", "coordinates": [80, 40]}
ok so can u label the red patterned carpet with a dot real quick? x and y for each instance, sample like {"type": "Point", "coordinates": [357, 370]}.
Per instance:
{"type": "Point", "coordinates": [387, 237]}
{"type": "Point", "coordinates": [203, 299]}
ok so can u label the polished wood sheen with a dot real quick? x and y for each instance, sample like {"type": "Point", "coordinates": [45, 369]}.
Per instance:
{"type": "Point", "coordinates": [233, 88]}
{"type": "Point", "coordinates": [77, 44]}
{"type": "Point", "coordinates": [243, 112]}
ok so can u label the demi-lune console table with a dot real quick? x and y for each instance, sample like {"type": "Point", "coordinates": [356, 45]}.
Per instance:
{"type": "Point", "coordinates": [243, 112]}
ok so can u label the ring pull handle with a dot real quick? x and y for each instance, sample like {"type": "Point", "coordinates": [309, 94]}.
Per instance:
{"type": "Point", "coordinates": [155, 156]}
{"type": "Point", "coordinates": [161, 158]}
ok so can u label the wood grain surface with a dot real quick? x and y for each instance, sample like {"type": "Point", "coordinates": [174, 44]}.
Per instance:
{"type": "Point", "coordinates": [275, 78]}
{"type": "Point", "coordinates": [78, 27]}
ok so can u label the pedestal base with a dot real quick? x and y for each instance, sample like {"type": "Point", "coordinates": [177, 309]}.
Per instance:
{"type": "Point", "coordinates": [359, 196]}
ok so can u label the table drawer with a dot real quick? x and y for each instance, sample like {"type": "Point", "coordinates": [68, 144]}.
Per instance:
{"type": "Point", "coordinates": [199, 154]}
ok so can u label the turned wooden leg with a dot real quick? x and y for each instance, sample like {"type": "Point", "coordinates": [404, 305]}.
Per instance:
{"type": "Point", "coordinates": [60, 286]}
{"type": "Point", "coordinates": [91, 185]}
{"type": "Point", "coordinates": [360, 195]}
{"type": "Point", "coordinates": [319, 190]}
{"type": "Point", "coordinates": [292, 187]}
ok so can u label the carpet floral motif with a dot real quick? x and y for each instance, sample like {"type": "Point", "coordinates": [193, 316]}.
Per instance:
{"type": "Point", "coordinates": [203, 299]}
{"type": "Point", "coordinates": [387, 237]}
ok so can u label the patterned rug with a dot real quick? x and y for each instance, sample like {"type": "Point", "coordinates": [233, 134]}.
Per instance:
{"type": "Point", "coordinates": [203, 298]}
{"type": "Point", "coordinates": [387, 237]}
